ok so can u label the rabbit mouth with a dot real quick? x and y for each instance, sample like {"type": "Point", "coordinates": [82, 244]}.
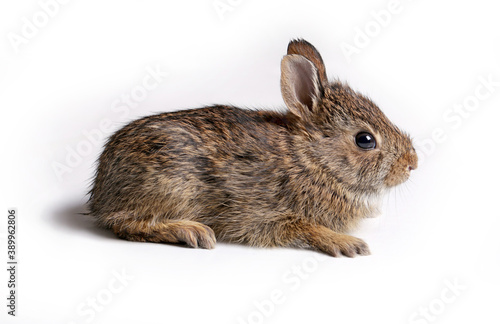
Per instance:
{"type": "Point", "coordinates": [392, 180]}
{"type": "Point", "coordinates": [401, 170]}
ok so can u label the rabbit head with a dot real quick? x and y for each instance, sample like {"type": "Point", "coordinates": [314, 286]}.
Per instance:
{"type": "Point", "coordinates": [350, 137]}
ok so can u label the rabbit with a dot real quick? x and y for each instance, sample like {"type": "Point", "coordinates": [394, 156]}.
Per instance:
{"type": "Point", "coordinates": [299, 178]}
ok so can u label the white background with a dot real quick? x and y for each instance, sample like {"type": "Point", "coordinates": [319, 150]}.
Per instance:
{"type": "Point", "coordinates": [69, 76]}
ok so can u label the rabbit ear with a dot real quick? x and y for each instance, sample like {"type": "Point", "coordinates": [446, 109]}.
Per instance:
{"type": "Point", "coordinates": [300, 85]}
{"type": "Point", "coordinates": [304, 48]}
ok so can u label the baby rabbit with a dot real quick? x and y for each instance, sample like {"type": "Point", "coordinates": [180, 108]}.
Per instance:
{"type": "Point", "coordinates": [298, 178]}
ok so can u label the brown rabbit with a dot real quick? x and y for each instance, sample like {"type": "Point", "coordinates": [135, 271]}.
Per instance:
{"type": "Point", "coordinates": [298, 178]}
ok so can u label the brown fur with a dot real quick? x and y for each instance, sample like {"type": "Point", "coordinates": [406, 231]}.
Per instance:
{"type": "Point", "coordinates": [263, 178]}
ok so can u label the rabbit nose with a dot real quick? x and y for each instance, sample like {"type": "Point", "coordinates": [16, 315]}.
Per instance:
{"type": "Point", "coordinates": [412, 161]}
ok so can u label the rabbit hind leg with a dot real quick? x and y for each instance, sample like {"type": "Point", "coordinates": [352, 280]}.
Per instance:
{"type": "Point", "coordinates": [192, 233]}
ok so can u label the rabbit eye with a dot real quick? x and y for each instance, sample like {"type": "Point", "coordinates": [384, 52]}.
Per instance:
{"type": "Point", "coordinates": [366, 141]}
